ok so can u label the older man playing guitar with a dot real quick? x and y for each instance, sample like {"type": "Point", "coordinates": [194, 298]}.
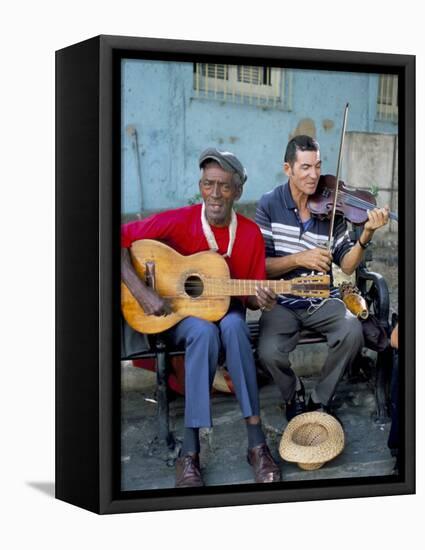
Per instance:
{"type": "Point", "coordinates": [212, 225]}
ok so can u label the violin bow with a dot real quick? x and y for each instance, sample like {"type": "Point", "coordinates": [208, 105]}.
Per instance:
{"type": "Point", "coordinates": [338, 169]}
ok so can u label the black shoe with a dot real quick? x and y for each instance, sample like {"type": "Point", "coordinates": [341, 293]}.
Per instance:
{"type": "Point", "coordinates": [319, 407]}
{"type": "Point", "coordinates": [297, 404]}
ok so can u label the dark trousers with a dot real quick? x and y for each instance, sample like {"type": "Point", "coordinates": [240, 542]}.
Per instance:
{"type": "Point", "coordinates": [279, 334]}
{"type": "Point", "coordinates": [394, 438]}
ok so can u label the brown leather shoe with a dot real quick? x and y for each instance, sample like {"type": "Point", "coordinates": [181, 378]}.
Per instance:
{"type": "Point", "coordinates": [188, 473]}
{"type": "Point", "coordinates": [265, 468]}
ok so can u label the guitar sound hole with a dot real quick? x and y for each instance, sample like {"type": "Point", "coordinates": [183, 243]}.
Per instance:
{"type": "Point", "coordinates": [194, 286]}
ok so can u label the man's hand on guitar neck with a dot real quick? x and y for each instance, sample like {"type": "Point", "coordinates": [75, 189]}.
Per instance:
{"type": "Point", "coordinates": [148, 299]}
{"type": "Point", "coordinates": [265, 299]}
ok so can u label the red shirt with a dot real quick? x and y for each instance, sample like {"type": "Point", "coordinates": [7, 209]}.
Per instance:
{"type": "Point", "coordinates": [182, 230]}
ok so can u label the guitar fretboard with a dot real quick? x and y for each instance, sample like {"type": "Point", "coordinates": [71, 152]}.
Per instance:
{"type": "Point", "coordinates": [246, 287]}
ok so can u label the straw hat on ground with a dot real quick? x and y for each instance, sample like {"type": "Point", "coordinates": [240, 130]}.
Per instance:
{"type": "Point", "coordinates": [311, 439]}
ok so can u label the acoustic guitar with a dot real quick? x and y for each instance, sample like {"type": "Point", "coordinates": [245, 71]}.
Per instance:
{"type": "Point", "coordinates": [198, 285]}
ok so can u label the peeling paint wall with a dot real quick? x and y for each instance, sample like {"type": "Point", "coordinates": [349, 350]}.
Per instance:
{"type": "Point", "coordinates": [370, 162]}
{"type": "Point", "coordinates": [165, 127]}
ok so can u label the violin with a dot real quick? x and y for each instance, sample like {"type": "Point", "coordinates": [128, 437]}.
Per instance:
{"type": "Point", "coordinates": [352, 203]}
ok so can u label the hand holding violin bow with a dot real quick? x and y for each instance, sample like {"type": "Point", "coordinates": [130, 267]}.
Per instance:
{"type": "Point", "coordinates": [317, 259]}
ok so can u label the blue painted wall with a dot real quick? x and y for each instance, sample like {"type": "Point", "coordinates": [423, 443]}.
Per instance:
{"type": "Point", "coordinates": [165, 127]}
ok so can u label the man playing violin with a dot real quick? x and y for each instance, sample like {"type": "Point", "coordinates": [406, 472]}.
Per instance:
{"type": "Point", "coordinates": [295, 243]}
{"type": "Point", "coordinates": [212, 225]}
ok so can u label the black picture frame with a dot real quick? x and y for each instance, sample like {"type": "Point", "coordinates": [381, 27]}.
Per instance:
{"type": "Point", "coordinates": [87, 273]}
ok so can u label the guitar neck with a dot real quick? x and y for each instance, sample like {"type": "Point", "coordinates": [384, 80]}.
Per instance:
{"type": "Point", "coordinates": [244, 287]}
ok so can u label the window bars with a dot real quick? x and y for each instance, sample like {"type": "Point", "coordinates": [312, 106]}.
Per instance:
{"type": "Point", "coordinates": [246, 84]}
{"type": "Point", "coordinates": [387, 104]}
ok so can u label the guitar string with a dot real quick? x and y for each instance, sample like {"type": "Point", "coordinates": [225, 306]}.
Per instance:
{"type": "Point", "coordinates": [249, 282]}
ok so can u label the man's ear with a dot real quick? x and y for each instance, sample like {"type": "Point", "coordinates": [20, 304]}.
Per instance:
{"type": "Point", "coordinates": [239, 192]}
{"type": "Point", "coordinates": [287, 169]}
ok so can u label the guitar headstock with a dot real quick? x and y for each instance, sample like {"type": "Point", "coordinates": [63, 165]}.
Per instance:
{"type": "Point", "coordinates": [311, 286]}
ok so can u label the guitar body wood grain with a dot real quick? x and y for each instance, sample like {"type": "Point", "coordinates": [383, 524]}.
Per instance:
{"type": "Point", "coordinates": [181, 280]}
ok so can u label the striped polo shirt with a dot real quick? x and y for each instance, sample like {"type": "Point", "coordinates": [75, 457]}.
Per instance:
{"type": "Point", "coordinates": [284, 233]}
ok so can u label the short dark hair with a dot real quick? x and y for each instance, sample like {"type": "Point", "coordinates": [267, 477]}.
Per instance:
{"type": "Point", "coordinates": [299, 143]}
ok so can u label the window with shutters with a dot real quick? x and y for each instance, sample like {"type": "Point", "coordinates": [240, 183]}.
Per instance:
{"type": "Point", "coordinates": [387, 104]}
{"type": "Point", "coordinates": [257, 85]}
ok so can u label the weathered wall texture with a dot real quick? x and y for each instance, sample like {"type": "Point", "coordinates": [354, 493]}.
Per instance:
{"type": "Point", "coordinates": [165, 127]}
{"type": "Point", "coordinates": [370, 161]}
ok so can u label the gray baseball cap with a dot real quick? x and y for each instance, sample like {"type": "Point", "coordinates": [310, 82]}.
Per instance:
{"type": "Point", "coordinates": [226, 160]}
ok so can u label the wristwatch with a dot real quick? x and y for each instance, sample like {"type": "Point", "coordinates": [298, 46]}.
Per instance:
{"type": "Point", "coordinates": [364, 246]}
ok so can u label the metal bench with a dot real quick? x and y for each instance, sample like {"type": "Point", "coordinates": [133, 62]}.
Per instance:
{"type": "Point", "coordinates": [372, 286]}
